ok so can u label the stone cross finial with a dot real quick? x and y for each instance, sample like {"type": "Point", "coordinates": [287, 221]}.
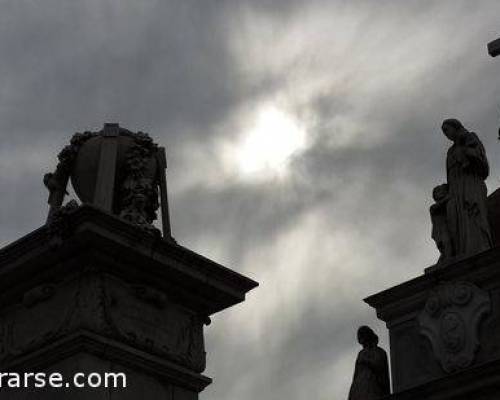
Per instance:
{"type": "Point", "coordinates": [494, 48]}
{"type": "Point", "coordinates": [111, 129]}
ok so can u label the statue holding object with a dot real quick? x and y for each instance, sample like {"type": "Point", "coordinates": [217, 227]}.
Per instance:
{"type": "Point", "coordinates": [460, 217]}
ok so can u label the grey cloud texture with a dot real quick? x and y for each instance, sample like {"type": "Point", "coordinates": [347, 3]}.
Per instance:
{"type": "Point", "coordinates": [369, 82]}
{"type": "Point", "coordinates": [70, 63]}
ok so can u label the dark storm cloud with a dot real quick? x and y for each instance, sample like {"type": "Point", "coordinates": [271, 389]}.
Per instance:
{"type": "Point", "coordinates": [260, 210]}
{"type": "Point", "coordinates": [162, 67]}
{"type": "Point", "coordinates": [410, 153]}
{"type": "Point", "coordinates": [396, 174]}
{"type": "Point", "coordinates": [65, 65]}
{"type": "Point", "coordinates": [351, 216]}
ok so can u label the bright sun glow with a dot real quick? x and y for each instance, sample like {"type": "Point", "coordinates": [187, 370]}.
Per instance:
{"type": "Point", "coordinates": [266, 148]}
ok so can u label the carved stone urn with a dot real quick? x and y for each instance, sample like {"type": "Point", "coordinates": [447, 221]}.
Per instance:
{"type": "Point", "coordinates": [93, 290]}
{"type": "Point", "coordinates": [117, 170]}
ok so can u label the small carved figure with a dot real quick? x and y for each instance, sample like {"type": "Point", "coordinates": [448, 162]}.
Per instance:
{"type": "Point", "coordinates": [58, 225]}
{"type": "Point", "coordinates": [440, 230]}
{"type": "Point", "coordinates": [371, 373]}
{"type": "Point", "coordinates": [466, 170]}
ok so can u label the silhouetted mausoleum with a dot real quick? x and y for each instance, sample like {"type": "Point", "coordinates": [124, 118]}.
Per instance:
{"type": "Point", "coordinates": [444, 326]}
{"type": "Point", "coordinates": [99, 288]}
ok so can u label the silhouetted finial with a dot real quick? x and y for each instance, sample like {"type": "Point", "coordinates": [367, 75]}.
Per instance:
{"type": "Point", "coordinates": [494, 48]}
{"type": "Point", "coordinates": [116, 170]}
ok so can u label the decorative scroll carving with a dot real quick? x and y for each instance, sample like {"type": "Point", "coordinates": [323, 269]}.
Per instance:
{"type": "Point", "coordinates": [139, 315]}
{"type": "Point", "coordinates": [138, 200]}
{"type": "Point", "coordinates": [38, 294]}
{"type": "Point", "coordinates": [39, 319]}
{"type": "Point", "coordinates": [48, 312]}
{"type": "Point", "coordinates": [89, 303]}
{"type": "Point", "coordinates": [57, 181]}
{"type": "Point", "coordinates": [150, 295]}
{"type": "Point", "coordinates": [450, 320]}
{"type": "Point", "coordinates": [163, 328]}
{"type": "Point", "coordinates": [58, 227]}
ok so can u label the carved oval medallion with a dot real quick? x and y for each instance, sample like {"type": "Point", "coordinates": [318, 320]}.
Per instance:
{"type": "Point", "coordinates": [450, 320]}
{"type": "Point", "coordinates": [461, 293]}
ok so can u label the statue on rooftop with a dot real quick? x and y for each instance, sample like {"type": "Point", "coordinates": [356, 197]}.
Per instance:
{"type": "Point", "coordinates": [371, 373]}
{"type": "Point", "coordinates": [466, 212]}
{"type": "Point", "coordinates": [440, 230]}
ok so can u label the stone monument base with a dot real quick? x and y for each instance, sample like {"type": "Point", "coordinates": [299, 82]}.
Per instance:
{"type": "Point", "coordinates": [444, 330]}
{"type": "Point", "coordinates": [96, 294]}
{"type": "Point", "coordinates": [478, 383]}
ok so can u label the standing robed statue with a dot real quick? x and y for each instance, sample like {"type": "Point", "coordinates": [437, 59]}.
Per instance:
{"type": "Point", "coordinates": [371, 373]}
{"type": "Point", "coordinates": [466, 215]}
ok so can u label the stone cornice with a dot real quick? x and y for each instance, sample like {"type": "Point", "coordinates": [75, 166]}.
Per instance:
{"type": "Point", "coordinates": [397, 301]}
{"type": "Point", "coordinates": [124, 247]}
{"type": "Point", "coordinates": [112, 350]}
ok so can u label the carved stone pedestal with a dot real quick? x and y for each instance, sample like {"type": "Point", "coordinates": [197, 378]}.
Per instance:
{"type": "Point", "coordinates": [444, 330]}
{"type": "Point", "coordinates": [94, 293]}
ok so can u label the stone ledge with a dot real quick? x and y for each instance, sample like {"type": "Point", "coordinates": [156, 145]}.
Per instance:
{"type": "Point", "coordinates": [109, 350]}
{"type": "Point", "coordinates": [396, 302]}
{"type": "Point", "coordinates": [465, 294]}
{"type": "Point", "coordinates": [479, 383]}
{"type": "Point", "coordinates": [126, 250]}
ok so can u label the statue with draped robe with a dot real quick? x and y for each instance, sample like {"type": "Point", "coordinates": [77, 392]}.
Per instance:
{"type": "Point", "coordinates": [371, 373]}
{"type": "Point", "coordinates": [439, 219]}
{"type": "Point", "coordinates": [466, 211]}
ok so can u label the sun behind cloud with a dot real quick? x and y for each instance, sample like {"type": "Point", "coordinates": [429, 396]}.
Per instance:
{"type": "Point", "coordinates": [265, 149]}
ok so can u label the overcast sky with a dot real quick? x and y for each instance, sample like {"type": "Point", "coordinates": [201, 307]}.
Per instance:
{"type": "Point", "coordinates": [303, 139]}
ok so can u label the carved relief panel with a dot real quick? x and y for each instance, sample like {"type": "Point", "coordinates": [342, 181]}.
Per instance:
{"type": "Point", "coordinates": [146, 318]}
{"type": "Point", "coordinates": [450, 321]}
{"type": "Point", "coordinates": [39, 318]}
{"type": "Point", "coordinates": [138, 315]}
